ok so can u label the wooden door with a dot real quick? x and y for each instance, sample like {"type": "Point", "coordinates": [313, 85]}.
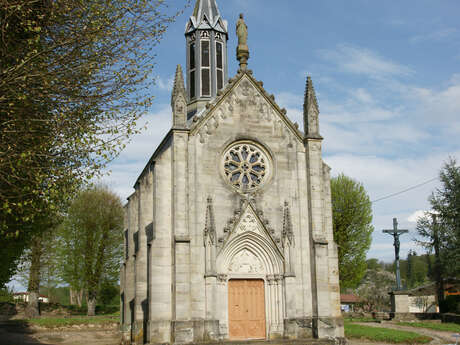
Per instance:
{"type": "Point", "coordinates": [246, 309]}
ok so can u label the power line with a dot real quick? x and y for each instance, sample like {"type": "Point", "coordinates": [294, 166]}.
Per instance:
{"type": "Point", "coordinates": [405, 190]}
{"type": "Point", "coordinates": [395, 194]}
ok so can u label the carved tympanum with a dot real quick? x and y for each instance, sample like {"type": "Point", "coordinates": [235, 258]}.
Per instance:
{"type": "Point", "coordinates": [245, 262]}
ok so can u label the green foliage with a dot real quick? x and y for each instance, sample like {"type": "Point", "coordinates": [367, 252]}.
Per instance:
{"type": "Point", "coordinates": [384, 335]}
{"type": "Point", "coordinates": [374, 288]}
{"type": "Point", "coordinates": [6, 295]}
{"type": "Point", "coordinates": [58, 295]}
{"type": "Point", "coordinates": [91, 240]}
{"type": "Point", "coordinates": [109, 293]}
{"type": "Point", "coordinates": [446, 327]}
{"type": "Point", "coordinates": [373, 264]}
{"type": "Point", "coordinates": [73, 76]}
{"type": "Point", "coordinates": [352, 218]}
{"type": "Point", "coordinates": [451, 304]}
{"type": "Point", "coordinates": [445, 231]}
{"type": "Point", "coordinates": [10, 252]}
{"type": "Point", "coordinates": [415, 271]}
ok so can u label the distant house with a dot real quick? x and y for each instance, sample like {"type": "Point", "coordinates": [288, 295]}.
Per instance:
{"type": "Point", "coordinates": [423, 299]}
{"type": "Point", "coordinates": [348, 302]}
{"type": "Point", "coordinates": [451, 289]}
{"type": "Point", "coordinates": [24, 297]}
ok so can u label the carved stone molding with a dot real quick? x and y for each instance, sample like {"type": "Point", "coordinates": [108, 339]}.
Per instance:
{"type": "Point", "coordinates": [222, 278]}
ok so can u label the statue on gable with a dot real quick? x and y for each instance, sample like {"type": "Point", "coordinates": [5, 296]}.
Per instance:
{"type": "Point", "coordinates": [242, 51]}
{"type": "Point", "coordinates": [242, 31]}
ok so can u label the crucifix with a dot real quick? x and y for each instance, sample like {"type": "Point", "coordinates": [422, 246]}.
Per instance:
{"type": "Point", "coordinates": [395, 232]}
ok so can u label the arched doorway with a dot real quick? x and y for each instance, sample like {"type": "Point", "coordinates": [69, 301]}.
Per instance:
{"type": "Point", "coordinates": [251, 292]}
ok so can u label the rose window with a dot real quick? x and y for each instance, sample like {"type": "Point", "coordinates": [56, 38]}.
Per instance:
{"type": "Point", "coordinates": [245, 166]}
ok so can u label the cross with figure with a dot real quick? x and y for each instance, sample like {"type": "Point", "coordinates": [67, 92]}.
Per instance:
{"type": "Point", "coordinates": [395, 232]}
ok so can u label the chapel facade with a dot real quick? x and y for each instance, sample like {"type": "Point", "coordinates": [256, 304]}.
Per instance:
{"type": "Point", "coordinates": [229, 230]}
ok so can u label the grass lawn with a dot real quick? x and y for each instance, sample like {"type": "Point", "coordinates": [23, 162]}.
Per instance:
{"type": "Point", "coordinates": [384, 334]}
{"type": "Point", "coordinates": [447, 327]}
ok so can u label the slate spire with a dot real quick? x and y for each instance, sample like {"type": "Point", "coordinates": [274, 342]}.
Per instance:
{"type": "Point", "coordinates": [206, 15]}
{"type": "Point", "coordinates": [311, 112]}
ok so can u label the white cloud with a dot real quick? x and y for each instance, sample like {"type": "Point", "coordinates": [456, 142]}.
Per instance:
{"type": "Point", "coordinates": [414, 217]}
{"type": "Point", "coordinates": [132, 160]}
{"type": "Point", "coordinates": [436, 35]}
{"type": "Point", "coordinates": [363, 61]}
{"type": "Point", "coordinates": [165, 84]}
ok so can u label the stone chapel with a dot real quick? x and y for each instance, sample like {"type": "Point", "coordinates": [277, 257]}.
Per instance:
{"type": "Point", "coordinates": [229, 230]}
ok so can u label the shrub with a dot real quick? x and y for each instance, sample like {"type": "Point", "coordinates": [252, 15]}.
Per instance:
{"type": "Point", "coordinates": [451, 304]}
{"type": "Point", "coordinates": [6, 296]}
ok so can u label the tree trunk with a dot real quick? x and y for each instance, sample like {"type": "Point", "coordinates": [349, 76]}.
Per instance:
{"type": "Point", "coordinates": [438, 266]}
{"type": "Point", "coordinates": [72, 296]}
{"type": "Point", "coordinates": [33, 308]}
{"type": "Point", "coordinates": [80, 298]}
{"type": "Point", "coordinates": [91, 304]}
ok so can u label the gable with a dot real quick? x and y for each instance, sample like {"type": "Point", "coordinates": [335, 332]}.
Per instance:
{"type": "Point", "coordinates": [245, 99]}
{"type": "Point", "coordinates": [249, 223]}
{"type": "Point", "coordinates": [250, 248]}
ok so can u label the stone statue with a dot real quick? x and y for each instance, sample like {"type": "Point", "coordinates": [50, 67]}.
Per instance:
{"type": "Point", "coordinates": [242, 31]}
{"type": "Point", "coordinates": [242, 51]}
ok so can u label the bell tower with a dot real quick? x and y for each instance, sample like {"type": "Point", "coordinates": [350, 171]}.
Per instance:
{"type": "Point", "coordinates": [206, 36]}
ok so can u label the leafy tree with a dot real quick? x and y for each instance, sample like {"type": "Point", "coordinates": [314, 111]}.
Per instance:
{"type": "Point", "coordinates": [38, 267]}
{"type": "Point", "coordinates": [109, 293]}
{"type": "Point", "coordinates": [374, 288]}
{"type": "Point", "coordinates": [352, 217]}
{"type": "Point", "coordinates": [73, 76]}
{"type": "Point", "coordinates": [416, 272]}
{"type": "Point", "coordinates": [441, 226]}
{"type": "Point", "coordinates": [92, 241]}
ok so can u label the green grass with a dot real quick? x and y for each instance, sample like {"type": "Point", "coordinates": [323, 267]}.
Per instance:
{"type": "Point", "coordinates": [384, 334]}
{"type": "Point", "coordinates": [447, 327]}
{"type": "Point", "coordinates": [53, 322]}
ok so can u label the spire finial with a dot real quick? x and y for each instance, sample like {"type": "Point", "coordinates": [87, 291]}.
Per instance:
{"type": "Point", "coordinates": [242, 51]}
{"type": "Point", "coordinates": [311, 111]}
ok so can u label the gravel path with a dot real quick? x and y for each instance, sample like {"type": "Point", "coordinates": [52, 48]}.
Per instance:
{"type": "Point", "coordinates": [439, 337]}
{"type": "Point", "coordinates": [14, 334]}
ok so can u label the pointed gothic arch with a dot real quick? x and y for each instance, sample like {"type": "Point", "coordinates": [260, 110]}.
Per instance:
{"type": "Point", "coordinates": [263, 250]}
{"type": "Point", "coordinates": [250, 252]}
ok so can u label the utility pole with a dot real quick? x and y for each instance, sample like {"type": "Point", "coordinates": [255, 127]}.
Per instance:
{"type": "Point", "coordinates": [395, 232]}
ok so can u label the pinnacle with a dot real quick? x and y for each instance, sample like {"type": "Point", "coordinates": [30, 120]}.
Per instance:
{"type": "Point", "coordinates": [179, 86]}
{"type": "Point", "coordinates": [310, 95]}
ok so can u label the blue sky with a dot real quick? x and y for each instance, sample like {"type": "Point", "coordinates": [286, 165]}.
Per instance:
{"type": "Point", "coordinates": [387, 76]}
